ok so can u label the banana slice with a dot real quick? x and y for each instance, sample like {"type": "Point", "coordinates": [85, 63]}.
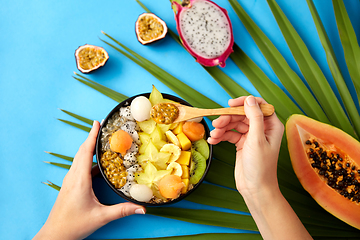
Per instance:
{"type": "Point", "coordinates": [173, 149]}
{"type": "Point", "coordinates": [172, 138]}
{"type": "Point", "coordinates": [176, 169]}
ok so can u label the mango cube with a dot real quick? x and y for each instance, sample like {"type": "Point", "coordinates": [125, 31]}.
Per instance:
{"type": "Point", "coordinates": [185, 188]}
{"type": "Point", "coordinates": [185, 170]}
{"type": "Point", "coordinates": [184, 141]}
{"type": "Point", "coordinates": [178, 129]}
{"type": "Point", "coordinates": [184, 158]}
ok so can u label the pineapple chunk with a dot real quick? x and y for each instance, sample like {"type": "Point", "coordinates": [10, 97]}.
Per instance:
{"type": "Point", "coordinates": [178, 129]}
{"type": "Point", "coordinates": [185, 171]}
{"type": "Point", "coordinates": [184, 158]}
{"type": "Point", "coordinates": [184, 141]}
{"type": "Point", "coordinates": [186, 186]}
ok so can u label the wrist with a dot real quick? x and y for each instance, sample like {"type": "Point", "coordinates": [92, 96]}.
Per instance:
{"type": "Point", "coordinates": [262, 196]}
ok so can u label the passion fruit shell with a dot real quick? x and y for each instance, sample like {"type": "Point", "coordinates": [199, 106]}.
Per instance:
{"type": "Point", "coordinates": [150, 28]}
{"type": "Point", "coordinates": [90, 58]}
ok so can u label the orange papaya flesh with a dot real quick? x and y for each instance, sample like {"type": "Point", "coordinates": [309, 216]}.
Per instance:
{"type": "Point", "coordinates": [326, 161]}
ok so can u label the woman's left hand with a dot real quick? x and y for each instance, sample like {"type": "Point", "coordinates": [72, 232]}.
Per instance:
{"type": "Point", "coordinates": [77, 212]}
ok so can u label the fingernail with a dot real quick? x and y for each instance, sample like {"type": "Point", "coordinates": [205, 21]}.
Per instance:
{"type": "Point", "coordinates": [93, 123]}
{"type": "Point", "coordinates": [139, 211]}
{"type": "Point", "coordinates": [250, 100]}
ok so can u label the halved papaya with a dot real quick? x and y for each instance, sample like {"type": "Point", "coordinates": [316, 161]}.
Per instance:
{"type": "Point", "coordinates": [326, 161]}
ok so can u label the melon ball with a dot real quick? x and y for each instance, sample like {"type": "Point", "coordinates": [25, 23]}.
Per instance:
{"type": "Point", "coordinates": [120, 141]}
{"type": "Point", "coordinates": [141, 192]}
{"type": "Point", "coordinates": [140, 108]}
{"type": "Point", "coordinates": [170, 186]}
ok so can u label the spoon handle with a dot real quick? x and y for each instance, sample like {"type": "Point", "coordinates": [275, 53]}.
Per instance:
{"type": "Point", "coordinates": [267, 110]}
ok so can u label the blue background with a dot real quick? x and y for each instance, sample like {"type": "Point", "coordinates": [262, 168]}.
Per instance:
{"type": "Point", "coordinates": [37, 44]}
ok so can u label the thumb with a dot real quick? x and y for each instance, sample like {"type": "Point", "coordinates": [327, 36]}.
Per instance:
{"type": "Point", "coordinates": [255, 116]}
{"type": "Point", "coordinates": [120, 210]}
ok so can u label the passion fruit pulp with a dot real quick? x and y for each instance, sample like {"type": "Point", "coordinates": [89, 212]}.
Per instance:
{"type": "Point", "coordinates": [150, 28]}
{"type": "Point", "coordinates": [90, 58]}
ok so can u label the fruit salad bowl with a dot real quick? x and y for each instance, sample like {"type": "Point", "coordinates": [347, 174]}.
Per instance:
{"type": "Point", "coordinates": [148, 163]}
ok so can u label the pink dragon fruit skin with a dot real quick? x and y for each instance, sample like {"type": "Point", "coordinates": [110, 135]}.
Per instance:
{"type": "Point", "coordinates": [207, 61]}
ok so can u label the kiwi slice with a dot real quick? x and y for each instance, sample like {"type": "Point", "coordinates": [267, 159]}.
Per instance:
{"type": "Point", "coordinates": [197, 166]}
{"type": "Point", "coordinates": [202, 147]}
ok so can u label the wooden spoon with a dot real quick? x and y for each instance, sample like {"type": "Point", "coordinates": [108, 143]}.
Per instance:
{"type": "Point", "coordinates": [186, 112]}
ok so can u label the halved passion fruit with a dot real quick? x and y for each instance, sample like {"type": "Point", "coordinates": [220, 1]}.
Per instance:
{"type": "Point", "coordinates": [150, 28]}
{"type": "Point", "coordinates": [90, 57]}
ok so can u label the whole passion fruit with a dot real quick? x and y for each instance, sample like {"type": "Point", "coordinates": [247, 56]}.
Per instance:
{"type": "Point", "coordinates": [150, 28]}
{"type": "Point", "coordinates": [90, 58]}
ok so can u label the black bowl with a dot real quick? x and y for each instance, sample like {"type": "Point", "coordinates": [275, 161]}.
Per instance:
{"type": "Point", "coordinates": [125, 103]}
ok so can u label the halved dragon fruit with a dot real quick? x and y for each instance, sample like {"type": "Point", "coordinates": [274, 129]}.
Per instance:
{"type": "Point", "coordinates": [205, 30]}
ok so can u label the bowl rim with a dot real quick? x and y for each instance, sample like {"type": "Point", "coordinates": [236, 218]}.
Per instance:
{"type": "Point", "coordinates": [98, 151]}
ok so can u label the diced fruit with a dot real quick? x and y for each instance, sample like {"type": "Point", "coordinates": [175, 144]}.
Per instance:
{"type": "Point", "coordinates": [173, 125]}
{"type": "Point", "coordinates": [151, 176]}
{"type": "Point", "coordinates": [120, 141]}
{"type": "Point", "coordinates": [170, 186]}
{"type": "Point", "coordinates": [184, 141]}
{"type": "Point", "coordinates": [197, 166]}
{"type": "Point", "coordinates": [202, 147]}
{"type": "Point", "coordinates": [184, 158]}
{"type": "Point", "coordinates": [172, 138]}
{"type": "Point", "coordinates": [164, 127]}
{"type": "Point", "coordinates": [158, 137]}
{"type": "Point", "coordinates": [193, 130]}
{"type": "Point", "coordinates": [173, 149]}
{"type": "Point", "coordinates": [140, 108]}
{"type": "Point", "coordinates": [186, 185]}
{"type": "Point", "coordinates": [155, 96]}
{"type": "Point", "coordinates": [176, 169]}
{"type": "Point", "coordinates": [178, 129]}
{"type": "Point", "coordinates": [144, 139]}
{"type": "Point", "coordinates": [185, 171]}
{"type": "Point", "coordinates": [159, 159]}
{"type": "Point", "coordinates": [147, 126]}
{"type": "Point", "coordinates": [141, 192]}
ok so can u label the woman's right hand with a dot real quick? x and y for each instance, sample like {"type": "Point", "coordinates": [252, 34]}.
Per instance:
{"type": "Point", "coordinates": [257, 139]}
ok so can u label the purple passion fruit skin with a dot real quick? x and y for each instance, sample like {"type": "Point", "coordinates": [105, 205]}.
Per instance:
{"type": "Point", "coordinates": [89, 58]}
{"type": "Point", "coordinates": [150, 28]}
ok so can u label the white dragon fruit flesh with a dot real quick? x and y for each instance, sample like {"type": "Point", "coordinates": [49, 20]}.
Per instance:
{"type": "Point", "coordinates": [205, 30]}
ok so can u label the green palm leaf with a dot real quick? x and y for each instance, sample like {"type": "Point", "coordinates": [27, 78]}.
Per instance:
{"type": "Point", "coordinates": [52, 185]}
{"type": "Point", "coordinates": [284, 106]}
{"type": "Point", "coordinates": [83, 119]}
{"type": "Point", "coordinates": [348, 101]}
{"type": "Point", "coordinates": [79, 126]}
{"type": "Point", "coordinates": [312, 72]}
{"type": "Point", "coordinates": [217, 196]}
{"type": "Point", "coordinates": [67, 158]}
{"type": "Point", "coordinates": [207, 217]}
{"type": "Point", "coordinates": [116, 96]}
{"type": "Point", "coordinates": [349, 42]}
{"type": "Point", "coordinates": [61, 165]}
{"type": "Point", "coordinates": [210, 236]}
{"type": "Point", "coordinates": [286, 75]}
